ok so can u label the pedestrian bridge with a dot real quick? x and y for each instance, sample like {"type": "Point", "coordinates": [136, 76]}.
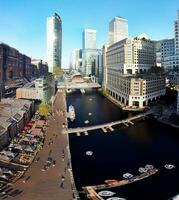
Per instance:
{"type": "Point", "coordinates": [71, 85]}
{"type": "Point", "coordinates": [106, 126]}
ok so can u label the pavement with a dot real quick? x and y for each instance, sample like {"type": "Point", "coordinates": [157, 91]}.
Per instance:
{"type": "Point", "coordinates": [53, 183]}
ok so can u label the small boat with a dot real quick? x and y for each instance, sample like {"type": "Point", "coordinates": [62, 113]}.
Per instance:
{"type": "Point", "coordinates": [106, 193]}
{"type": "Point", "coordinates": [86, 121]}
{"type": "Point", "coordinates": [89, 114]}
{"type": "Point", "coordinates": [89, 153]}
{"type": "Point", "coordinates": [169, 166]}
{"type": "Point", "coordinates": [90, 99]}
{"type": "Point", "coordinates": [111, 181]}
{"type": "Point", "coordinates": [127, 175]}
{"type": "Point", "coordinates": [142, 170]}
{"type": "Point", "coordinates": [71, 112]}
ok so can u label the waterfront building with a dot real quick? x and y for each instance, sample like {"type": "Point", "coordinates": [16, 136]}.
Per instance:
{"type": "Point", "coordinates": [15, 114]}
{"type": "Point", "coordinates": [42, 89]}
{"type": "Point", "coordinates": [118, 30]}
{"type": "Point", "coordinates": [131, 56]}
{"type": "Point", "coordinates": [130, 78]}
{"type": "Point", "coordinates": [13, 64]}
{"type": "Point", "coordinates": [77, 59]}
{"type": "Point", "coordinates": [54, 43]}
{"type": "Point", "coordinates": [89, 39]}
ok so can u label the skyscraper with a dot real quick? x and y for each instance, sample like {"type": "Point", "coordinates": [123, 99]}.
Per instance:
{"type": "Point", "coordinates": [89, 39]}
{"type": "Point", "coordinates": [76, 59]}
{"type": "Point", "coordinates": [118, 30]}
{"type": "Point", "coordinates": [54, 43]}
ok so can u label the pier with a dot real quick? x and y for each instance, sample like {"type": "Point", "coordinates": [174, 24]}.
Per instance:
{"type": "Point", "coordinates": [105, 126]}
{"type": "Point", "coordinates": [91, 190]}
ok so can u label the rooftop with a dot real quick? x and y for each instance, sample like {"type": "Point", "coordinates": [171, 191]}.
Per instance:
{"type": "Point", "coordinates": [10, 108]}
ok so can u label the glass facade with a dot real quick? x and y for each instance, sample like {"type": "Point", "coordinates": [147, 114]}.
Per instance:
{"type": "Point", "coordinates": [54, 42]}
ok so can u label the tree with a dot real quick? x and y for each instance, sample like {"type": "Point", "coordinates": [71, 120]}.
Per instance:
{"type": "Point", "coordinates": [44, 109]}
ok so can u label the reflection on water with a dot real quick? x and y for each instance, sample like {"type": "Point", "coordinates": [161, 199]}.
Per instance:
{"type": "Point", "coordinates": [124, 150]}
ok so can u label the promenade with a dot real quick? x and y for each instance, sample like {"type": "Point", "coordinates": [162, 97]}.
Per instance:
{"type": "Point", "coordinates": [53, 183]}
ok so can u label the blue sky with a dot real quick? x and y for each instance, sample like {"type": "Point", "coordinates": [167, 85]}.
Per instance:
{"type": "Point", "coordinates": [23, 22]}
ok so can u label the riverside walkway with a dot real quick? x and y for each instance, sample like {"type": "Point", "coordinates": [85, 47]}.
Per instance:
{"type": "Point", "coordinates": [57, 181]}
{"type": "Point", "coordinates": [107, 125]}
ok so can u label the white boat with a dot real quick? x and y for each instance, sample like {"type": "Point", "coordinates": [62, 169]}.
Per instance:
{"type": "Point", "coordinates": [89, 114]}
{"type": "Point", "coordinates": [106, 193]}
{"type": "Point", "coordinates": [71, 112]}
{"type": "Point", "coordinates": [127, 175]}
{"type": "Point", "coordinates": [169, 166]}
{"type": "Point", "coordinates": [142, 170]}
{"type": "Point", "coordinates": [89, 153]}
{"type": "Point", "coordinates": [86, 121]}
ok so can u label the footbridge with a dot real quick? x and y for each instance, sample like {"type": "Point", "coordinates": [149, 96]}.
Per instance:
{"type": "Point", "coordinates": [108, 126]}
{"type": "Point", "coordinates": [78, 85]}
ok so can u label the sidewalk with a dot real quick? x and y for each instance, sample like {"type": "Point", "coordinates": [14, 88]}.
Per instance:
{"type": "Point", "coordinates": [55, 182]}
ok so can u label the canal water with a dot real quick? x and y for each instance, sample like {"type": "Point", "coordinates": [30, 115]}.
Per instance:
{"type": "Point", "coordinates": [123, 150]}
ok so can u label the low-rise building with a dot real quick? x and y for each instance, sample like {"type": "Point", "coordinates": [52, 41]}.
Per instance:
{"type": "Point", "coordinates": [14, 115]}
{"type": "Point", "coordinates": [42, 89]}
{"type": "Point", "coordinates": [135, 90]}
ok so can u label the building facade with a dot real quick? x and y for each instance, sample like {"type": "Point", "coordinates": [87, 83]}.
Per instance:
{"type": "Point", "coordinates": [118, 30]}
{"type": "Point", "coordinates": [89, 39]}
{"type": "Point", "coordinates": [176, 30]}
{"type": "Point", "coordinates": [43, 89]}
{"type": "Point", "coordinates": [39, 68]}
{"type": "Point", "coordinates": [77, 59]}
{"type": "Point", "coordinates": [128, 69]}
{"type": "Point", "coordinates": [15, 114]}
{"type": "Point", "coordinates": [131, 56]}
{"type": "Point", "coordinates": [54, 43]}
{"type": "Point", "coordinates": [13, 64]}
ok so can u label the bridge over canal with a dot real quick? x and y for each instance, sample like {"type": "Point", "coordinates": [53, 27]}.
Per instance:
{"type": "Point", "coordinates": [109, 125]}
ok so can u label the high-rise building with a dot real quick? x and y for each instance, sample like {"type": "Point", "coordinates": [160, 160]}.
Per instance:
{"type": "Point", "coordinates": [171, 62]}
{"type": "Point", "coordinates": [89, 39]}
{"type": "Point", "coordinates": [54, 43]}
{"type": "Point", "coordinates": [176, 28]}
{"type": "Point", "coordinates": [164, 49]}
{"type": "Point", "coordinates": [77, 59]}
{"type": "Point", "coordinates": [118, 30]}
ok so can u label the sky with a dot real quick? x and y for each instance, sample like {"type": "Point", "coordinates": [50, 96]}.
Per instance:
{"type": "Point", "coordinates": [23, 22]}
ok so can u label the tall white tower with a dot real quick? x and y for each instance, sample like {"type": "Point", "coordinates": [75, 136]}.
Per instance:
{"type": "Point", "coordinates": [54, 42]}
{"type": "Point", "coordinates": [118, 30]}
{"type": "Point", "coordinates": [89, 39]}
